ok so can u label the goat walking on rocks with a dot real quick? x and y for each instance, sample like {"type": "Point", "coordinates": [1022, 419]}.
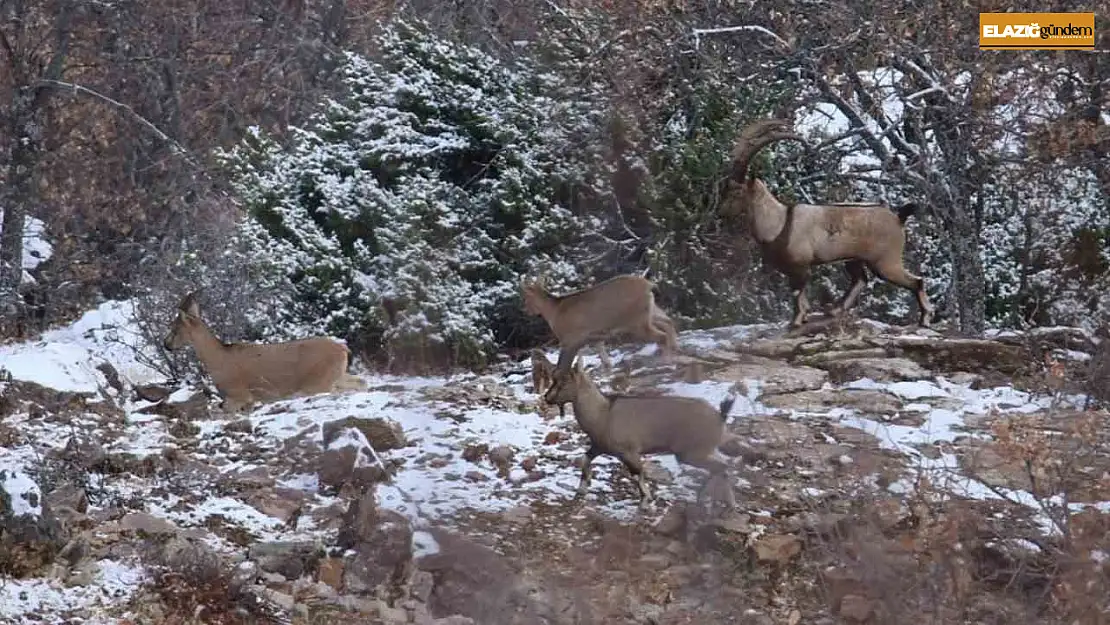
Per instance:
{"type": "Point", "coordinates": [627, 427]}
{"type": "Point", "coordinates": [621, 305]}
{"type": "Point", "coordinates": [796, 238]}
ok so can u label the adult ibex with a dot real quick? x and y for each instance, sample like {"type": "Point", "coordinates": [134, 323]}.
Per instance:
{"type": "Point", "coordinates": [620, 305]}
{"type": "Point", "coordinates": [259, 372]}
{"type": "Point", "coordinates": [796, 238]}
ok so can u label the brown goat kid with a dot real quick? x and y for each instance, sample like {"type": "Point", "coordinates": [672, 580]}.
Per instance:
{"type": "Point", "coordinates": [543, 376]}
{"type": "Point", "coordinates": [796, 238]}
{"type": "Point", "coordinates": [627, 427]}
{"type": "Point", "coordinates": [245, 373]}
{"type": "Point", "coordinates": [620, 305]}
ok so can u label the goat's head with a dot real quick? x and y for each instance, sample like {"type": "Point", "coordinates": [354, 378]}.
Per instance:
{"type": "Point", "coordinates": [186, 320]}
{"type": "Point", "coordinates": [534, 292]}
{"type": "Point", "coordinates": [565, 387]}
{"type": "Point", "coordinates": [767, 131]}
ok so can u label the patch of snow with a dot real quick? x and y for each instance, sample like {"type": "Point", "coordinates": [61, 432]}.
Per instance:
{"type": "Point", "coordinates": [113, 585]}
{"type": "Point", "coordinates": [23, 492]}
{"type": "Point", "coordinates": [65, 359]}
{"type": "Point", "coordinates": [36, 249]}
{"type": "Point", "coordinates": [423, 544]}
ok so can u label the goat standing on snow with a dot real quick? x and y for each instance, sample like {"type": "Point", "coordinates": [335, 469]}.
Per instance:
{"type": "Point", "coordinates": [249, 372]}
{"type": "Point", "coordinates": [624, 304]}
{"type": "Point", "coordinates": [627, 427]}
{"type": "Point", "coordinates": [796, 238]}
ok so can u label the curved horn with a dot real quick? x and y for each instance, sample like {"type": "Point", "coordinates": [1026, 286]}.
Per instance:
{"type": "Point", "coordinates": [754, 138]}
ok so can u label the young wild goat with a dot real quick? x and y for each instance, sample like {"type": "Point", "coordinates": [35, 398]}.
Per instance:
{"type": "Point", "coordinates": [543, 372]}
{"type": "Point", "coordinates": [620, 305]}
{"type": "Point", "coordinates": [248, 372]}
{"type": "Point", "coordinates": [627, 427]}
{"type": "Point", "coordinates": [796, 238]}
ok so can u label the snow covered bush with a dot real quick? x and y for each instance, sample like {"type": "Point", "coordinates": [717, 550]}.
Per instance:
{"type": "Point", "coordinates": [237, 284]}
{"type": "Point", "coordinates": [405, 215]}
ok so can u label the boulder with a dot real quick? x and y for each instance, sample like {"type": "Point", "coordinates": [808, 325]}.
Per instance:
{"type": "Point", "coordinates": [878, 369]}
{"type": "Point", "coordinates": [291, 559]}
{"type": "Point", "coordinates": [866, 402]}
{"type": "Point", "coordinates": [474, 581]}
{"type": "Point", "coordinates": [774, 376]}
{"type": "Point", "coordinates": [382, 434]}
{"type": "Point", "coordinates": [30, 535]}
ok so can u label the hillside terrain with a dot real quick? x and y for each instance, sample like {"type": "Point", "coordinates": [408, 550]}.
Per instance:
{"type": "Point", "coordinates": [880, 471]}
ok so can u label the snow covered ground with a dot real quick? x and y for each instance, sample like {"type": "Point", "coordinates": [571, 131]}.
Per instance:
{"type": "Point", "coordinates": [434, 483]}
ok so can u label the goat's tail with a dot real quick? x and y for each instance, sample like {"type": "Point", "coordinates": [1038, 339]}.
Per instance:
{"type": "Point", "coordinates": [725, 407]}
{"type": "Point", "coordinates": [905, 211]}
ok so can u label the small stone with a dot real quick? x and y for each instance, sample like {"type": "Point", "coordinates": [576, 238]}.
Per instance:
{"type": "Point", "coordinates": [518, 515]}
{"type": "Point", "coordinates": [777, 548]}
{"type": "Point", "coordinates": [673, 521]}
{"type": "Point", "coordinates": [856, 609]}
{"type": "Point", "coordinates": [288, 558]}
{"type": "Point", "coordinates": [553, 437]}
{"type": "Point", "coordinates": [528, 464]}
{"type": "Point", "coordinates": [393, 615]}
{"type": "Point", "coordinates": [735, 522]}
{"type": "Point", "coordinates": [243, 426]}
{"type": "Point", "coordinates": [476, 476]}
{"type": "Point", "coordinates": [146, 523]}
{"type": "Point", "coordinates": [475, 452]}
{"type": "Point", "coordinates": [69, 496]}
{"type": "Point", "coordinates": [654, 561]}
{"type": "Point", "coordinates": [282, 600]}
{"type": "Point", "coordinates": [152, 392]}
{"type": "Point", "coordinates": [421, 585]}
{"type": "Point", "coordinates": [502, 455]}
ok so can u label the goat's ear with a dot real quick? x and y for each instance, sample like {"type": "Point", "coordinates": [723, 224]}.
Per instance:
{"type": "Point", "coordinates": [578, 370]}
{"type": "Point", "coordinates": [189, 305]}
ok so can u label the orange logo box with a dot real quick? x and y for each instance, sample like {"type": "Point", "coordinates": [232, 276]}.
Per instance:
{"type": "Point", "coordinates": [1036, 31]}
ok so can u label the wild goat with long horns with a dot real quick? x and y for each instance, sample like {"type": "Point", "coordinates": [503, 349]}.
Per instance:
{"type": "Point", "coordinates": [798, 237]}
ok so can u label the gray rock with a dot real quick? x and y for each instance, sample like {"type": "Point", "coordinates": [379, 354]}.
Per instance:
{"type": "Point", "coordinates": [30, 534]}
{"type": "Point", "coordinates": [383, 559]}
{"type": "Point", "coordinates": [382, 434]}
{"type": "Point", "coordinates": [476, 582]}
{"type": "Point", "coordinates": [878, 369]}
{"type": "Point", "coordinates": [69, 496]}
{"type": "Point", "coordinates": [289, 559]}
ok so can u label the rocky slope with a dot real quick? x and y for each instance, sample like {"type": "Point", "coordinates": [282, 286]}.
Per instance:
{"type": "Point", "coordinates": [448, 500]}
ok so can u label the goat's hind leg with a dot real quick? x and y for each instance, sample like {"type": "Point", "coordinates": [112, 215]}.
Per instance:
{"type": "Point", "coordinates": [857, 271]}
{"type": "Point", "coordinates": [895, 273]}
{"type": "Point", "coordinates": [718, 470]}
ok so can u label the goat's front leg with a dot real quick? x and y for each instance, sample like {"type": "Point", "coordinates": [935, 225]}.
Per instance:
{"type": "Point", "coordinates": [635, 466]}
{"type": "Point", "coordinates": [566, 359]}
{"type": "Point", "coordinates": [798, 280]}
{"type": "Point", "coordinates": [587, 470]}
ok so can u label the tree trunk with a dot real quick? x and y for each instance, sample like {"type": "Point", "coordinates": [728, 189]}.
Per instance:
{"type": "Point", "coordinates": [26, 132]}
{"type": "Point", "coordinates": [968, 275]}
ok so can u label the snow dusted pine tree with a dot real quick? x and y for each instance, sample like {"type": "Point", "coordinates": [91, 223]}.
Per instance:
{"type": "Point", "coordinates": [406, 214]}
